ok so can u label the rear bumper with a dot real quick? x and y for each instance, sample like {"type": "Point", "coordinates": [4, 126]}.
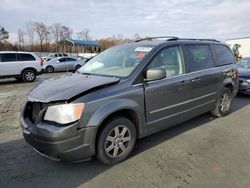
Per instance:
{"type": "Point", "coordinates": [40, 72]}
{"type": "Point", "coordinates": [60, 143]}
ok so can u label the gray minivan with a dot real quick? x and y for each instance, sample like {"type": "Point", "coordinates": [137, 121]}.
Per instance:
{"type": "Point", "coordinates": [128, 92]}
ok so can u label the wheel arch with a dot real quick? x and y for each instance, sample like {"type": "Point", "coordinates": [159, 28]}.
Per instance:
{"type": "Point", "coordinates": [116, 109]}
{"type": "Point", "coordinates": [228, 83]}
{"type": "Point", "coordinates": [29, 68]}
{"type": "Point", "coordinates": [49, 66]}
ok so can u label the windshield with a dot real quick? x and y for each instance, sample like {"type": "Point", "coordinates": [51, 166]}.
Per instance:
{"type": "Point", "coordinates": [244, 63]}
{"type": "Point", "coordinates": [118, 61]}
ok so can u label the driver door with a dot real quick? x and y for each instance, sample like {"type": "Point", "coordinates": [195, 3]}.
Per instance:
{"type": "Point", "coordinates": [61, 64]}
{"type": "Point", "coordinates": [167, 99]}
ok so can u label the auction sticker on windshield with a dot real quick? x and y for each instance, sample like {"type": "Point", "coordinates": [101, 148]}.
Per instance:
{"type": "Point", "coordinates": [143, 49]}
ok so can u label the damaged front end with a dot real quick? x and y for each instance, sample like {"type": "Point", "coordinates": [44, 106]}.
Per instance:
{"type": "Point", "coordinates": [51, 121]}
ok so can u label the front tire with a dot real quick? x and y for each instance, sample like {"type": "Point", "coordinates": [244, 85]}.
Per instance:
{"type": "Point", "coordinates": [28, 75]}
{"type": "Point", "coordinates": [223, 104]}
{"type": "Point", "coordinates": [116, 140]}
{"type": "Point", "coordinates": [49, 69]}
{"type": "Point", "coordinates": [77, 67]}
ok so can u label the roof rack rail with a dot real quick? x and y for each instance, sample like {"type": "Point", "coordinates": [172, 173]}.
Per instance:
{"type": "Point", "coordinates": [213, 40]}
{"type": "Point", "coordinates": [151, 38]}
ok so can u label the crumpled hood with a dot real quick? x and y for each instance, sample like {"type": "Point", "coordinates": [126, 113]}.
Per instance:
{"type": "Point", "coordinates": [245, 73]}
{"type": "Point", "coordinates": [67, 87]}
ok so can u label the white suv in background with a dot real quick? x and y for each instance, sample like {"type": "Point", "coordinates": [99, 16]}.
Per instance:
{"type": "Point", "coordinates": [20, 65]}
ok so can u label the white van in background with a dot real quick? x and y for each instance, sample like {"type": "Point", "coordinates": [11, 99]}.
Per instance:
{"type": "Point", "coordinates": [20, 65]}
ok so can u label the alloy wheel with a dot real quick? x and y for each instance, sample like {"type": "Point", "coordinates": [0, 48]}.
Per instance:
{"type": "Point", "coordinates": [225, 102]}
{"type": "Point", "coordinates": [117, 141]}
{"type": "Point", "coordinates": [29, 76]}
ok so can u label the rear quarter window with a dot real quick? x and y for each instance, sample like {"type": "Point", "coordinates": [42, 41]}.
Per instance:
{"type": "Point", "coordinates": [199, 57]}
{"type": "Point", "coordinates": [223, 54]}
{"type": "Point", "coordinates": [8, 57]}
{"type": "Point", "coordinates": [25, 57]}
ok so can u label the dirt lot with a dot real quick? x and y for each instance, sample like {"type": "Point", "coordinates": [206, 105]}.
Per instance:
{"type": "Point", "coordinates": [203, 152]}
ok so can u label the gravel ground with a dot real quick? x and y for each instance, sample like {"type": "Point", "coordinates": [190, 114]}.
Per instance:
{"type": "Point", "coordinates": [202, 152]}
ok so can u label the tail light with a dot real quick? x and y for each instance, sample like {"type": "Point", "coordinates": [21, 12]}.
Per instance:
{"type": "Point", "coordinates": [41, 61]}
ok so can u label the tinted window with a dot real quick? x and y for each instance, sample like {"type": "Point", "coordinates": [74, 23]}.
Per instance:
{"type": "Point", "coordinates": [60, 55]}
{"type": "Point", "coordinates": [223, 55]}
{"type": "Point", "coordinates": [25, 57]}
{"type": "Point", "coordinates": [8, 57]}
{"type": "Point", "coordinates": [70, 59]}
{"type": "Point", "coordinates": [199, 57]}
{"type": "Point", "coordinates": [62, 60]}
{"type": "Point", "coordinates": [65, 55]}
{"type": "Point", "coordinates": [244, 63]}
{"type": "Point", "coordinates": [55, 55]}
{"type": "Point", "coordinates": [169, 59]}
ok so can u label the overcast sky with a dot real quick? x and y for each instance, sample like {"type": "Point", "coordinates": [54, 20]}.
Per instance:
{"type": "Point", "coordinates": [184, 18]}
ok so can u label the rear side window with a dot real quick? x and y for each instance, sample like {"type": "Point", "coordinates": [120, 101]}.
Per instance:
{"type": "Point", "coordinates": [8, 57]}
{"type": "Point", "coordinates": [62, 60]}
{"type": "Point", "coordinates": [199, 57]}
{"type": "Point", "coordinates": [224, 56]}
{"type": "Point", "coordinates": [70, 59]}
{"type": "Point", "coordinates": [25, 57]}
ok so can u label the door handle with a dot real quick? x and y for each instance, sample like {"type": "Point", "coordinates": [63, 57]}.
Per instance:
{"type": "Point", "coordinates": [182, 85]}
{"type": "Point", "coordinates": [184, 82]}
{"type": "Point", "coordinates": [195, 80]}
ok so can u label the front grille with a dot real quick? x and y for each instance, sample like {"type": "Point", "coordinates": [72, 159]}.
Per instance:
{"type": "Point", "coordinates": [33, 110]}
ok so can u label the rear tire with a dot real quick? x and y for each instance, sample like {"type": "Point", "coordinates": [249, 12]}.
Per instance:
{"type": "Point", "coordinates": [49, 69]}
{"type": "Point", "coordinates": [28, 75]}
{"type": "Point", "coordinates": [116, 140]}
{"type": "Point", "coordinates": [223, 103]}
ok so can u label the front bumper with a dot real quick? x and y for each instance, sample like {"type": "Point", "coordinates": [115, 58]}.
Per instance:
{"type": "Point", "coordinates": [244, 87]}
{"type": "Point", "coordinates": [60, 143]}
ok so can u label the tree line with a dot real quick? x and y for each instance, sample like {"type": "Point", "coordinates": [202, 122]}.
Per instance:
{"type": "Point", "coordinates": [37, 36]}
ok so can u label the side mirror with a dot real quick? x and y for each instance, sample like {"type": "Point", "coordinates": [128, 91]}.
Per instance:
{"type": "Point", "coordinates": [155, 74]}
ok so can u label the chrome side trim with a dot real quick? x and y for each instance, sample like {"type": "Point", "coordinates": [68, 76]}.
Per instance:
{"type": "Point", "coordinates": [184, 111]}
{"type": "Point", "coordinates": [182, 103]}
{"type": "Point", "coordinates": [140, 84]}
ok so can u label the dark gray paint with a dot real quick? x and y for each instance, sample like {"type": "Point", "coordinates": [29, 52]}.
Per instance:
{"type": "Point", "coordinates": [156, 104]}
{"type": "Point", "coordinates": [67, 87]}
